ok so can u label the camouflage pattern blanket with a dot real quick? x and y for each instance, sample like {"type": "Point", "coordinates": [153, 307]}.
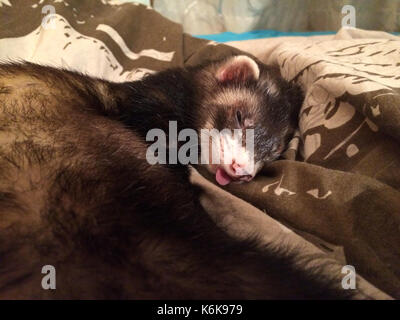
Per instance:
{"type": "Point", "coordinates": [334, 197]}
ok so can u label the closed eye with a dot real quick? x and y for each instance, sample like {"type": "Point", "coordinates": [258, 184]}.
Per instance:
{"type": "Point", "coordinates": [239, 117]}
{"type": "Point", "coordinates": [278, 148]}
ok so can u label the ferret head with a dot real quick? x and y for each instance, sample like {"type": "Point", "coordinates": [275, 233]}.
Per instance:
{"type": "Point", "coordinates": [239, 93]}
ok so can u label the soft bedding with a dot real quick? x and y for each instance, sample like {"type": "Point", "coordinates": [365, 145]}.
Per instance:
{"type": "Point", "coordinates": [335, 197]}
{"type": "Point", "coordinates": [345, 188]}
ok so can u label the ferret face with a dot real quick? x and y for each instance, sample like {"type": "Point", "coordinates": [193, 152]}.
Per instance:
{"type": "Point", "coordinates": [253, 101]}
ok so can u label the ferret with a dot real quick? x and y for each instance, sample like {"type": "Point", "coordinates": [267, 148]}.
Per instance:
{"type": "Point", "coordinates": [77, 192]}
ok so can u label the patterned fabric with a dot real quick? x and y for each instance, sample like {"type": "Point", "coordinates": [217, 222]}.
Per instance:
{"type": "Point", "coordinates": [345, 188]}
{"type": "Point", "coordinates": [342, 193]}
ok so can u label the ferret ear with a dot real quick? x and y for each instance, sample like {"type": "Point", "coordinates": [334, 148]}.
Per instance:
{"type": "Point", "coordinates": [238, 69]}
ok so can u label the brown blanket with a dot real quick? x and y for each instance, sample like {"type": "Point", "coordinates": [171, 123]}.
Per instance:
{"type": "Point", "coordinates": [338, 186]}
{"type": "Point", "coordinates": [345, 190]}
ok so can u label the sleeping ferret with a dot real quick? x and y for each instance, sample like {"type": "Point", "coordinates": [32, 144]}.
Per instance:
{"type": "Point", "coordinates": [78, 193]}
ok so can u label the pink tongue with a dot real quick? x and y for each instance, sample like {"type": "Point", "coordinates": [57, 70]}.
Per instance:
{"type": "Point", "coordinates": [222, 177]}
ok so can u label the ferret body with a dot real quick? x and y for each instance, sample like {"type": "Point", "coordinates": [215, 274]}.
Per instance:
{"type": "Point", "coordinates": [77, 193]}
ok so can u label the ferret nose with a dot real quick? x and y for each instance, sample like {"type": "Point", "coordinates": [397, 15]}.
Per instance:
{"type": "Point", "coordinates": [239, 169]}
